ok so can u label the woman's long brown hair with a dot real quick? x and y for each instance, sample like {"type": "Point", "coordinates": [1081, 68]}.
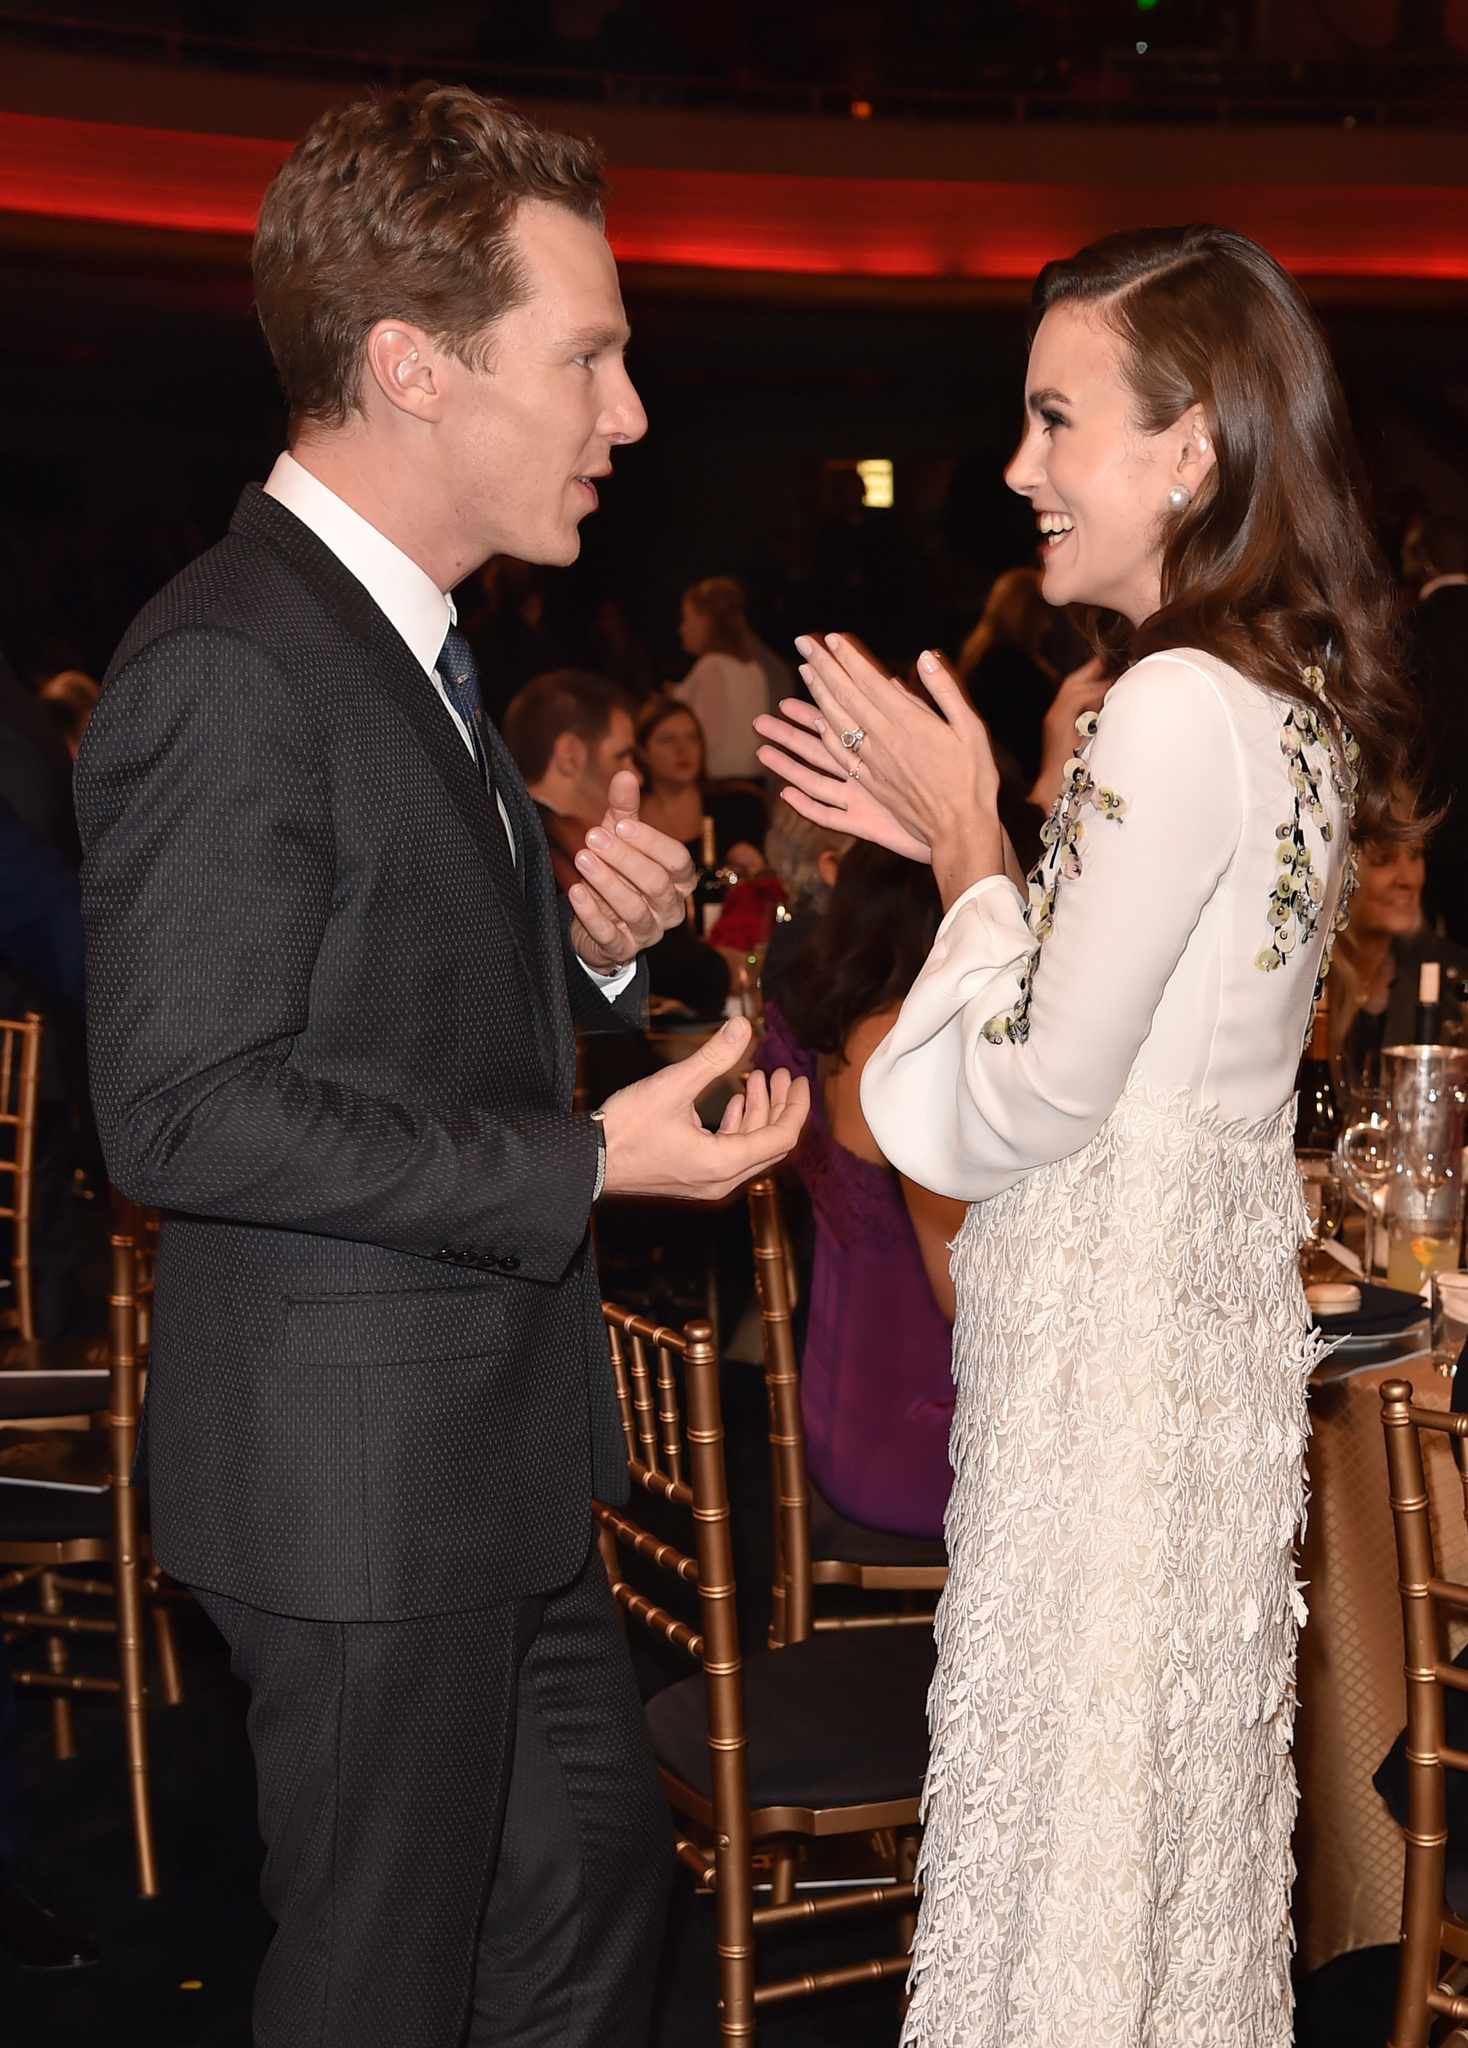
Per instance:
{"type": "Point", "coordinates": [1272, 567]}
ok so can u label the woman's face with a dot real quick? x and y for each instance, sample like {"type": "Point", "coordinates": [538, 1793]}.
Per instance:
{"type": "Point", "coordinates": [1388, 898]}
{"type": "Point", "coordinates": [1097, 480]}
{"type": "Point", "coordinates": [673, 751]}
{"type": "Point", "coordinates": [694, 630]}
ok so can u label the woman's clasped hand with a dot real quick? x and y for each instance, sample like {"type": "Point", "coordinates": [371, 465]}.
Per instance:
{"type": "Point", "coordinates": [872, 759]}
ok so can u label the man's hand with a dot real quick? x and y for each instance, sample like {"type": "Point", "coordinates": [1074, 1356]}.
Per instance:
{"type": "Point", "coordinates": [656, 1144]}
{"type": "Point", "coordinates": [634, 885]}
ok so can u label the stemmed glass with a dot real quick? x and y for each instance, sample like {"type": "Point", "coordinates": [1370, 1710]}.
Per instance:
{"type": "Point", "coordinates": [1364, 1154]}
{"type": "Point", "coordinates": [1324, 1199]}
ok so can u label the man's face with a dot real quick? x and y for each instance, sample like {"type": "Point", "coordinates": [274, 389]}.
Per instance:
{"type": "Point", "coordinates": [613, 751]}
{"type": "Point", "coordinates": [534, 430]}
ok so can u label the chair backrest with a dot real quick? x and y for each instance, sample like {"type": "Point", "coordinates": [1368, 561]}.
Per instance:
{"type": "Point", "coordinates": [20, 1077]}
{"type": "Point", "coordinates": [130, 1303]}
{"type": "Point", "coordinates": [682, 1463]}
{"type": "Point", "coordinates": [1429, 1927]}
{"type": "Point", "coordinates": [774, 1279]}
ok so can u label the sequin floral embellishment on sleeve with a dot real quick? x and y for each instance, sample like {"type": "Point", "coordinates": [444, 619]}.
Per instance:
{"type": "Point", "coordinates": [1062, 836]}
{"type": "Point", "coordinates": [1298, 896]}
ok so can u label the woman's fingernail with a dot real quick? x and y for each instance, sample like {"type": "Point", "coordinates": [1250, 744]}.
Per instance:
{"type": "Point", "coordinates": [597, 838]}
{"type": "Point", "coordinates": [833, 641]}
{"type": "Point", "coordinates": [928, 662]}
{"type": "Point", "coordinates": [733, 1030]}
{"type": "Point", "coordinates": [802, 643]}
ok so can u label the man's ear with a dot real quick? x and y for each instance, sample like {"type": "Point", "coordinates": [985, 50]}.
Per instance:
{"type": "Point", "coordinates": [828, 865]}
{"type": "Point", "coordinates": [568, 755]}
{"type": "Point", "coordinates": [405, 366]}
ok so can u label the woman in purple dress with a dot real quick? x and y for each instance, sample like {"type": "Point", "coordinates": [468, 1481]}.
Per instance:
{"type": "Point", "coordinates": [876, 1385]}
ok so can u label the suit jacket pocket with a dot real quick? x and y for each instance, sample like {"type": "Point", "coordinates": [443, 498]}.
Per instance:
{"type": "Point", "coordinates": [397, 1328]}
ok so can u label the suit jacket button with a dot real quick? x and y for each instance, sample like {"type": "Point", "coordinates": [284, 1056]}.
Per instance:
{"type": "Point", "coordinates": [510, 1263]}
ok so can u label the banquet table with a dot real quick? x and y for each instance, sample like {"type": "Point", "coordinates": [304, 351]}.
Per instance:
{"type": "Point", "coordinates": [1352, 1697]}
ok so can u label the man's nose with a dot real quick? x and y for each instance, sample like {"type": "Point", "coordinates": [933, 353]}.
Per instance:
{"type": "Point", "coordinates": [625, 418]}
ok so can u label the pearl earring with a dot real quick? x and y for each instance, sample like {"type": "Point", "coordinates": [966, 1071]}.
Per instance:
{"type": "Point", "coordinates": [1179, 496]}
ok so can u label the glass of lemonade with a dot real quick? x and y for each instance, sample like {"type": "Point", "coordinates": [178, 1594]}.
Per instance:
{"type": "Point", "coordinates": [1424, 1202]}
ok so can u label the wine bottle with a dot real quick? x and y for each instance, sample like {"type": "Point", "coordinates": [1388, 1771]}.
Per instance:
{"type": "Point", "coordinates": [1429, 1003]}
{"type": "Point", "coordinates": [1318, 1119]}
{"type": "Point", "coordinates": [713, 884]}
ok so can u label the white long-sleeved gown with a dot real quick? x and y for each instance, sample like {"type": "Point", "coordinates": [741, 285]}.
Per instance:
{"type": "Point", "coordinates": [1105, 1074]}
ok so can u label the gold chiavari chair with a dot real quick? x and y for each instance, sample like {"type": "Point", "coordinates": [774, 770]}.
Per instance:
{"type": "Point", "coordinates": [1432, 1968]}
{"type": "Point", "coordinates": [819, 1739]}
{"type": "Point", "coordinates": [20, 1078]}
{"type": "Point", "coordinates": [815, 1546]}
{"type": "Point", "coordinates": [67, 1500]}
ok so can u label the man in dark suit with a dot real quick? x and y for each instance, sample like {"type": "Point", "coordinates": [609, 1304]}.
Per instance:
{"type": "Point", "coordinates": [1439, 635]}
{"type": "Point", "coordinates": [331, 1001]}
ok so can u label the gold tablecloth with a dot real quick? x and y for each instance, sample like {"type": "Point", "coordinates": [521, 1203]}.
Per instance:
{"type": "Point", "coordinates": [1352, 1700]}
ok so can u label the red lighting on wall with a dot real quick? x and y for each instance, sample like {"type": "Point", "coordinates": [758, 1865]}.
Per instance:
{"type": "Point", "coordinates": [734, 220]}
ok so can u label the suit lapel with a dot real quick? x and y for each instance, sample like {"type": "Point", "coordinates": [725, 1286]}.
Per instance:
{"type": "Point", "coordinates": [399, 675]}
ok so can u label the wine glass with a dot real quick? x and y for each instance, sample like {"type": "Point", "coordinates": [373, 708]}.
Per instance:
{"type": "Point", "coordinates": [1325, 1198]}
{"type": "Point", "coordinates": [1364, 1156]}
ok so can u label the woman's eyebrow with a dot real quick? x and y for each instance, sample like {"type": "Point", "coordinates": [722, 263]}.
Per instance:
{"type": "Point", "coordinates": [1038, 400]}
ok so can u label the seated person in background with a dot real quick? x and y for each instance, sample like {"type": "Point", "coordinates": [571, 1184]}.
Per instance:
{"type": "Point", "coordinates": [807, 858]}
{"type": "Point", "coordinates": [1003, 667]}
{"type": "Point", "coordinates": [725, 688]}
{"type": "Point", "coordinates": [71, 696]}
{"type": "Point", "coordinates": [677, 799]}
{"type": "Point", "coordinates": [568, 734]}
{"type": "Point", "coordinates": [1437, 634]}
{"type": "Point", "coordinates": [876, 1388]}
{"type": "Point", "coordinates": [1378, 955]}
{"type": "Point", "coordinates": [502, 616]}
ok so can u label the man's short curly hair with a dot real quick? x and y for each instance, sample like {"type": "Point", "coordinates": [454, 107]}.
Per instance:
{"type": "Point", "coordinates": [401, 206]}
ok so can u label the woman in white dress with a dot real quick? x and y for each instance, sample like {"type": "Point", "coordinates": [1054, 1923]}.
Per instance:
{"type": "Point", "coordinates": [726, 687]}
{"type": "Point", "coordinates": [1103, 1066]}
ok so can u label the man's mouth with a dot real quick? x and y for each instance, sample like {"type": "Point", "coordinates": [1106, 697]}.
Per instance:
{"type": "Point", "coordinates": [1054, 526]}
{"type": "Point", "coordinates": [588, 483]}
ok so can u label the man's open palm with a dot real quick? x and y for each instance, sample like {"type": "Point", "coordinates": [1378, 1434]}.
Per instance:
{"type": "Point", "coordinates": [656, 1141]}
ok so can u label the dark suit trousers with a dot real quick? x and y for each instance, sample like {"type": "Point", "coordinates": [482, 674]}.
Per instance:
{"type": "Point", "coordinates": [465, 1835]}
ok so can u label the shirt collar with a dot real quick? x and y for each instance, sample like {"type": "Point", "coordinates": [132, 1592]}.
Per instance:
{"type": "Point", "coordinates": [409, 598]}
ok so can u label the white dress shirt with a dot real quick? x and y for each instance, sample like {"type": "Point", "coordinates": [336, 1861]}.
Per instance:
{"type": "Point", "coordinates": [409, 599]}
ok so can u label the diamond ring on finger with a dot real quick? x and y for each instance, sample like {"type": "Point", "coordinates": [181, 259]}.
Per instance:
{"type": "Point", "coordinates": [852, 738]}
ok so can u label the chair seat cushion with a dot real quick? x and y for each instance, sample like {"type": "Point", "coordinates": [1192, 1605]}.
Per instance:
{"type": "Point", "coordinates": [24, 1395]}
{"type": "Point", "coordinates": [43, 1514]}
{"type": "Point", "coordinates": [838, 1720]}
{"type": "Point", "coordinates": [831, 1535]}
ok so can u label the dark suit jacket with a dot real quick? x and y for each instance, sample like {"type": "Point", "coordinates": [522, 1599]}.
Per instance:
{"type": "Point", "coordinates": [331, 1034]}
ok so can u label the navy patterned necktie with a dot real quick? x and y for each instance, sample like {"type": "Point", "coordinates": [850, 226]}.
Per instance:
{"type": "Point", "coordinates": [461, 681]}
